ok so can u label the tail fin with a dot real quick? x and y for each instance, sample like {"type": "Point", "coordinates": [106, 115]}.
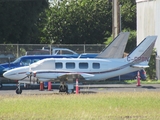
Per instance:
{"type": "Point", "coordinates": [142, 53]}
{"type": "Point", "coordinates": [116, 48]}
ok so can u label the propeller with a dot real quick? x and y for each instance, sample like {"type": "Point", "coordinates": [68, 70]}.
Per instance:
{"type": "Point", "coordinates": [30, 72]}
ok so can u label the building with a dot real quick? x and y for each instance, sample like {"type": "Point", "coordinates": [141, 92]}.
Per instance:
{"type": "Point", "coordinates": [148, 23]}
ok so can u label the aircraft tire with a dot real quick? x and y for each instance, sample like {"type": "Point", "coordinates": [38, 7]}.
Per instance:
{"type": "Point", "coordinates": [63, 90]}
{"type": "Point", "coordinates": [1, 85]}
{"type": "Point", "coordinates": [18, 91]}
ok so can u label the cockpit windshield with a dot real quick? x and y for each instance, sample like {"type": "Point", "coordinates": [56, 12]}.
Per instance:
{"type": "Point", "coordinates": [25, 62]}
{"type": "Point", "coordinates": [16, 61]}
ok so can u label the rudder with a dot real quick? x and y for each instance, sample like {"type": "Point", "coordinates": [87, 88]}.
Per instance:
{"type": "Point", "coordinates": [143, 51]}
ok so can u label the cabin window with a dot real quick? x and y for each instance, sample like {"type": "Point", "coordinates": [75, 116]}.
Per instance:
{"type": "Point", "coordinates": [58, 65]}
{"type": "Point", "coordinates": [83, 65]}
{"type": "Point", "coordinates": [96, 65]}
{"type": "Point", "coordinates": [70, 65]}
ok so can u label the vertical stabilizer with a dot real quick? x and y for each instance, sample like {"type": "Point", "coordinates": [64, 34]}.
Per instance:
{"type": "Point", "coordinates": [143, 51]}
{"type": "Point", "coordinates": [116, 48]}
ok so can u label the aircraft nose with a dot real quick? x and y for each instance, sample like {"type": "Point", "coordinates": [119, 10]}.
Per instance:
{"type": "Point", "coordinates": [1, 70]}
{"type": "Point", "coordinates": [7, 75]}
{"type": "Point", "coordinates": [16, 73]}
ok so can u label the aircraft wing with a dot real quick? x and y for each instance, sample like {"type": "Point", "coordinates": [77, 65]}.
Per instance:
{"type": "Point", "coordinates": [116, 48]}
{"type": "Point", "coordinates": [44, 75]}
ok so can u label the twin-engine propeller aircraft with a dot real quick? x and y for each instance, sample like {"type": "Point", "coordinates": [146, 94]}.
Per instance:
{"type": "Point", "coordinates": [114, 50]}
{"type": "Point", "coordinates": [69, 69]}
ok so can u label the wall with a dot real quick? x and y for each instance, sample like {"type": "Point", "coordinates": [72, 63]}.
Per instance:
{"type": "Point", "coordinates": [148, 23]}
{"type": "Point", "coordinates": [157, 27]}
{"type": "Point", "coordinates": [148, 20]}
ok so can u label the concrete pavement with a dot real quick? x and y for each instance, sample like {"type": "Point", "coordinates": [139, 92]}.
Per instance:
{"type": "Point", "coordinates": [99, 88]}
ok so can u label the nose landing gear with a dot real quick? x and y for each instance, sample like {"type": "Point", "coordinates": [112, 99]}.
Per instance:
{"type": "Point", "coordinates": [19, 90]}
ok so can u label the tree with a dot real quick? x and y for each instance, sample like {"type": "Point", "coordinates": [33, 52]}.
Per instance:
{"type": "Point", "coordinates": [18, 20]}
{"type": "Point", "coordinates": [128, 14]}
{"type": "Point", "coordinates": [78, 22]}
{"type": "Point", "coordinates": [128, 19]}
{"type": "Point", "coordinates": [151, 71]}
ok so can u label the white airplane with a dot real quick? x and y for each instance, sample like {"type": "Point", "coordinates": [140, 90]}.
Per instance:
{"type": "Point", "coordinates": [68, 69]}
{"type": "Point", "coordinates": [114, 50]}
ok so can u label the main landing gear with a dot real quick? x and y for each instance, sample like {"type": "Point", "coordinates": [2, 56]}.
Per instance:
{"type": "Point", "coordinates": [19, 90]}
{"type": "Point", "coordinates": [63, 87]}
{"type": "Point", "coordinates": [69, 88]}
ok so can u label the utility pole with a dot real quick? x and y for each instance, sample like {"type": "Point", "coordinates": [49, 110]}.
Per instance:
{"type": "Point", "coordinates": [120, 21]}
{"type": "Point", "coordinates": [115, 18]}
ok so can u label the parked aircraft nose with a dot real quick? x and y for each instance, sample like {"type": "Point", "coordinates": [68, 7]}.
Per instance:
{"type": "Point", "coordinates": [1, 70]}
{"type": "Point", "coordinates": [16, 74]}
{"type": "Point", "coordinates": [7, 75]}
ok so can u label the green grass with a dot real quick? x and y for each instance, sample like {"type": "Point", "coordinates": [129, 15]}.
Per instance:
{"type": "Point", "coordinates": [148, 81]}
{"type": "Point", "coordinates": [112, 105]}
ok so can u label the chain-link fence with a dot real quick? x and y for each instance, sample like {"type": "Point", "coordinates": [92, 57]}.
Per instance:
{"type": "Point", "coordinates": [13, 51]}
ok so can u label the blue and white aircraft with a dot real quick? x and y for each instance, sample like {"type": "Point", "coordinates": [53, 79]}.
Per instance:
{"type": "Point", "coordinates": [69, 69]}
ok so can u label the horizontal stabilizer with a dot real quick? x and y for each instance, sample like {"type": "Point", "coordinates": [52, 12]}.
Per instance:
{"type": "Point", "coordinates": [139, 66]}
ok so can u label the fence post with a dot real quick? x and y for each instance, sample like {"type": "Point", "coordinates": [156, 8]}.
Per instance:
{"type": "Point", "coordinates": [17, 50]}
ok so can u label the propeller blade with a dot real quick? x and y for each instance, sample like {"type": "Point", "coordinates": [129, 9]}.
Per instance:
{"type": "Point", "coordinates": [30, 71]}
{"type": "Point", "coordinates": [30, 79]}
{"type": "Point", "coordinates": [30, 68]}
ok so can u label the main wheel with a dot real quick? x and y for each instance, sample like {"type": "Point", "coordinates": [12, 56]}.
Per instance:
{"type": "Point", "coordinates": [18, 91]}
{"type": "Point", "coordinates": [63, 89]}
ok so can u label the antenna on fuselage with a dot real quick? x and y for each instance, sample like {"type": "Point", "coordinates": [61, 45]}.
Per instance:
{"type": "Point", "coordinates": [9, 60]}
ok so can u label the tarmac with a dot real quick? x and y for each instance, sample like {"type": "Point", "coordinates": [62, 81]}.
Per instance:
{"type": "Point", "coordinates": [9, 89]}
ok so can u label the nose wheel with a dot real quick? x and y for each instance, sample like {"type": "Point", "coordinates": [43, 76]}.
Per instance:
{"type": "Point", "coordinates": [18, 90]}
